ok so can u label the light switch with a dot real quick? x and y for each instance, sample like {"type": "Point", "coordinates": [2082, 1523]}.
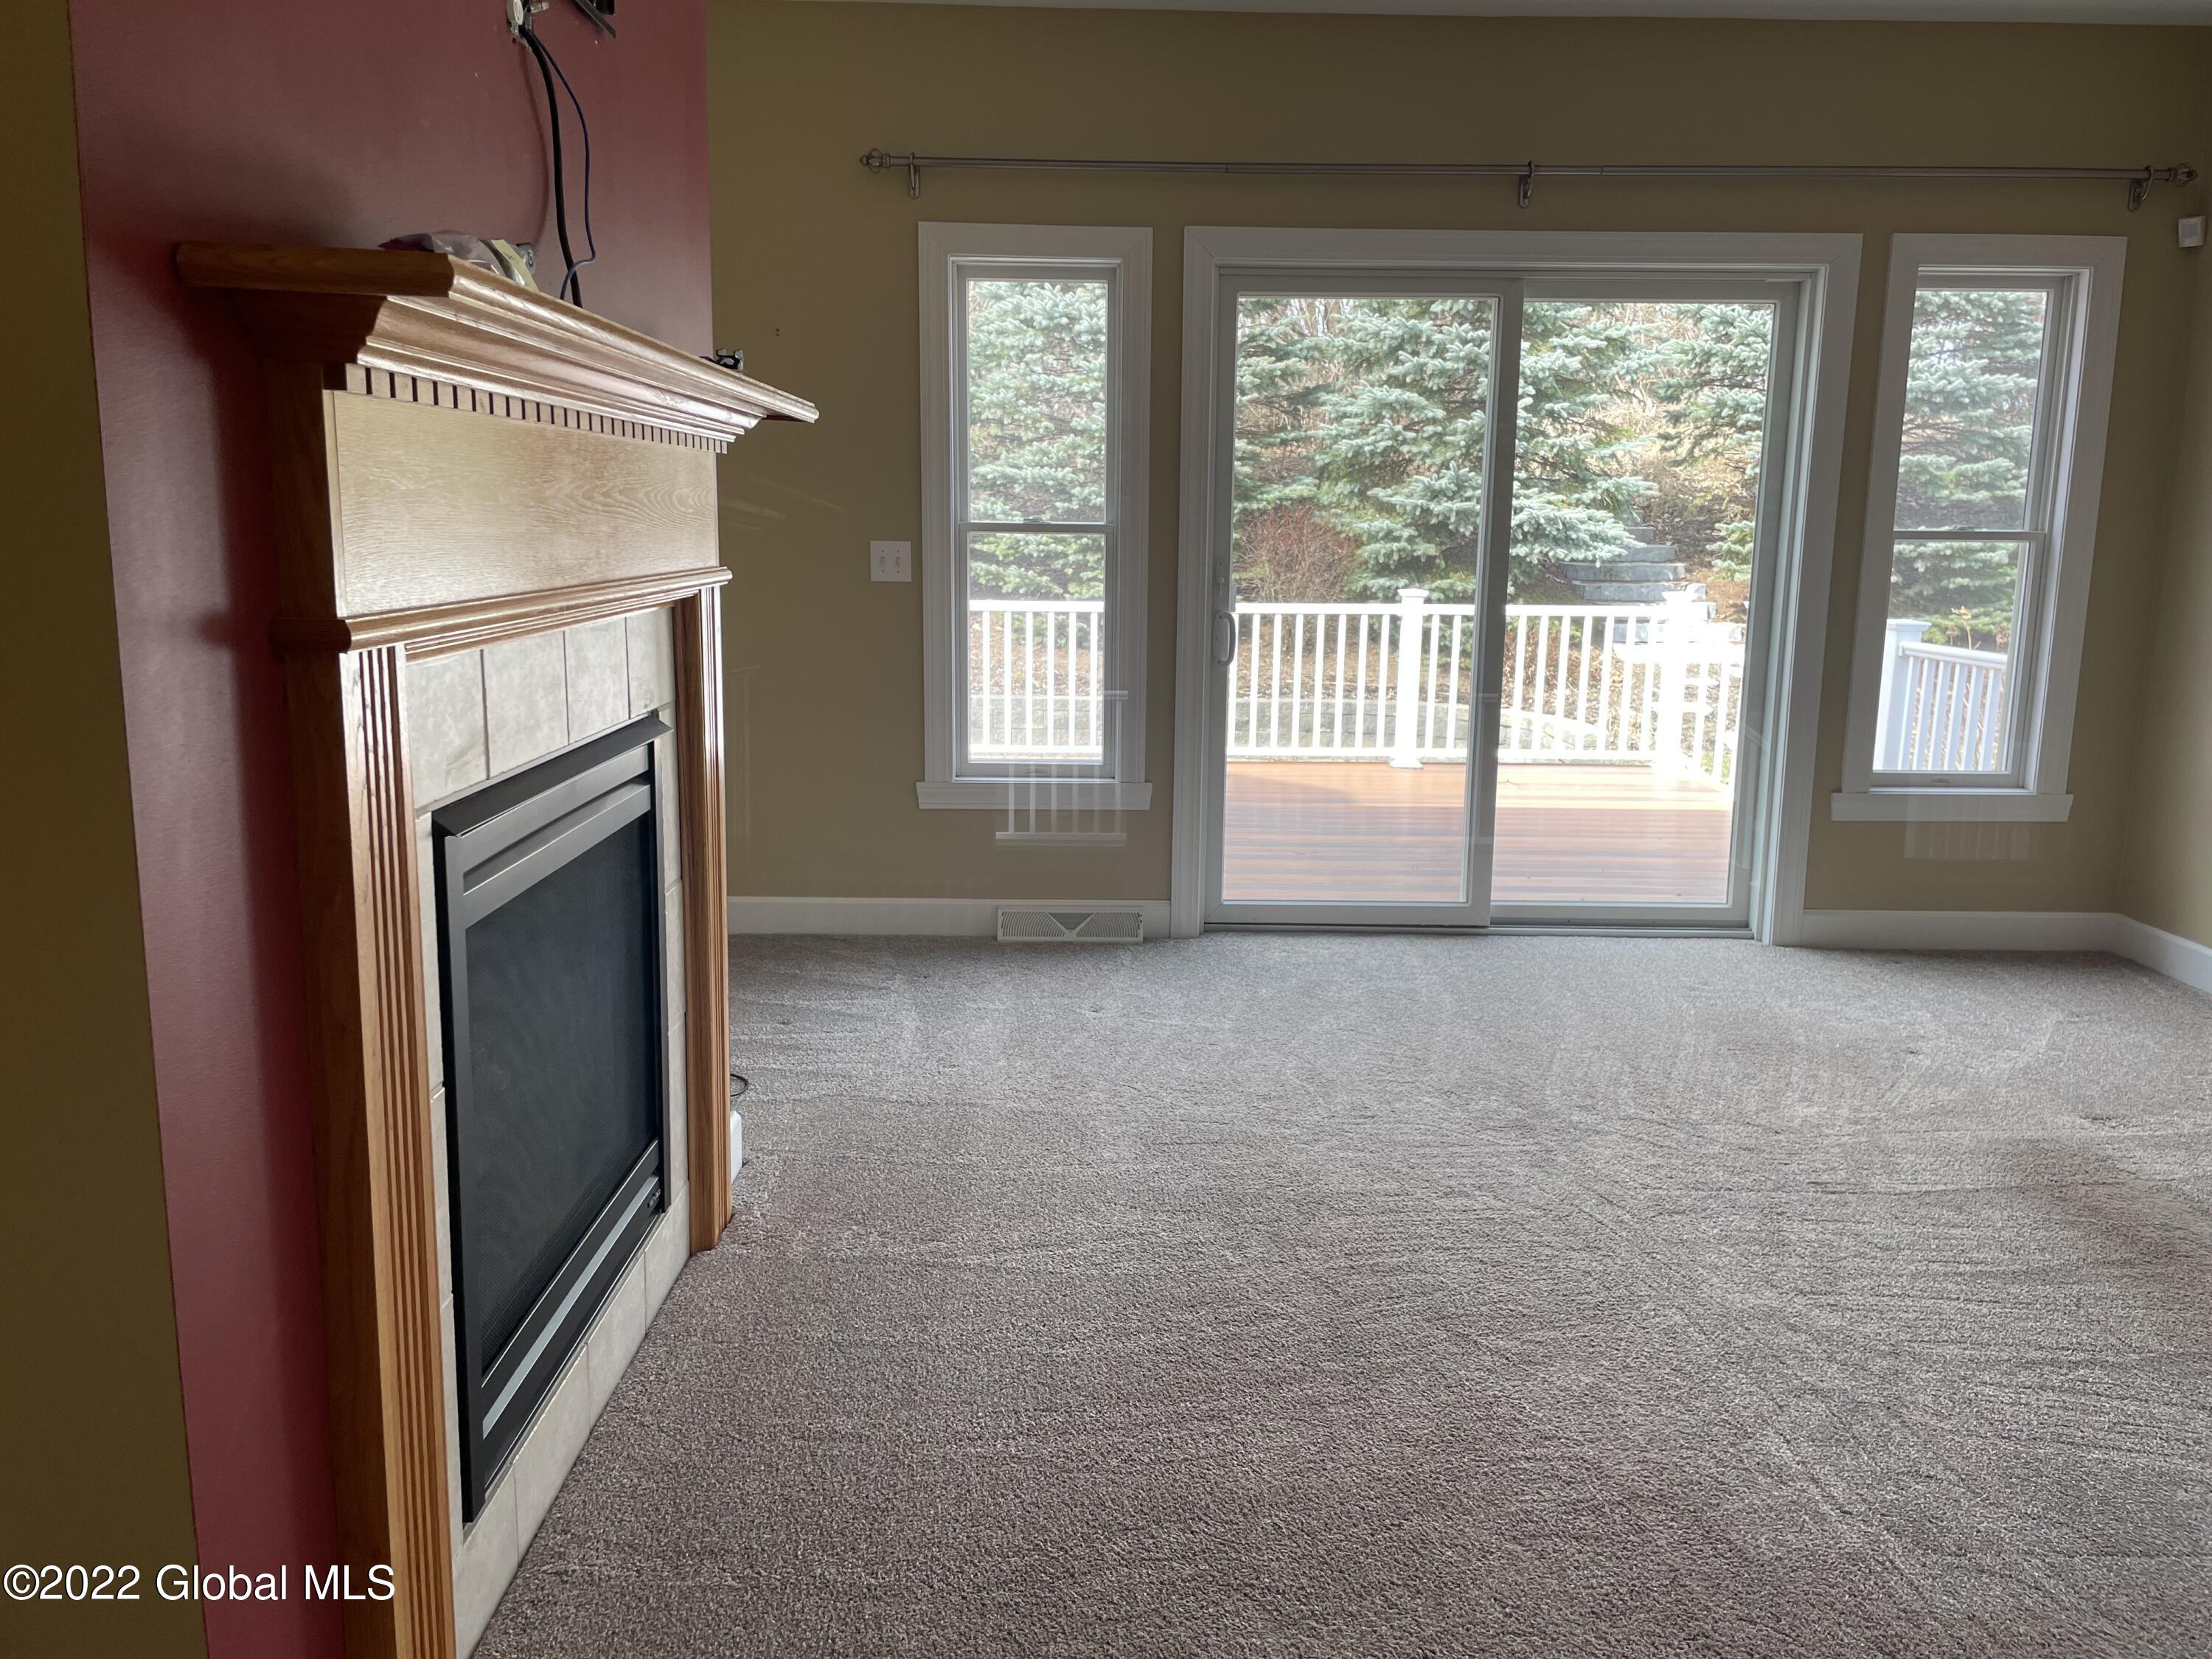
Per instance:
{"type": "Point", "coordinates": [891, 561]}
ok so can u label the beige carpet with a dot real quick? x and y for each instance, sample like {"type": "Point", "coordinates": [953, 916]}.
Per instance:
{"type": "Point", "coordinates": [1380, 1296]}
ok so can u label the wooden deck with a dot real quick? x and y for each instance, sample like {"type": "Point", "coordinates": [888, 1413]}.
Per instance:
{"type": "Point", "coordinates": [1322, 830]}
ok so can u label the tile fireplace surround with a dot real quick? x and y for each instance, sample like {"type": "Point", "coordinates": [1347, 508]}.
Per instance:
{"type": "Point", "coordinates": [497, 539]}
{"type": "Point", "coordinates": [472, 718]}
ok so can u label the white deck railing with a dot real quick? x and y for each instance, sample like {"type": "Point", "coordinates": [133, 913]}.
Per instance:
{"type": "Point", "coordinates": [1651, 683]}
{"type": "Point", "coordinates": [1036, 686]}
{"type": "Point", "coordinates": [1942, 707]}
{"type": "Point", "coordinates": [1655, 684]}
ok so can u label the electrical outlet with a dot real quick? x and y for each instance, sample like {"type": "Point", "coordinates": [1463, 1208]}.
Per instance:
{"type": "Point", "coordinates": [891, 561]}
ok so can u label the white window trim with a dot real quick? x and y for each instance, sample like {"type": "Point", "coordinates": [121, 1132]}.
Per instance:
{"type": "Point", "coordinates": [944, 249]}
{"type": "Point", "coordinates": [2059, 601]}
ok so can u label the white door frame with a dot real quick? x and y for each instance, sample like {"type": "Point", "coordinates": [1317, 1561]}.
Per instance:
{"type": "Point", "coordinates": [1479, 803]}
{"type": "Point", "coordinates": [1827, 269]}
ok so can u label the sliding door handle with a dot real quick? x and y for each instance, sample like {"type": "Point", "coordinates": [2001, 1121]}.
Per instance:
{"type": "Point", "coordinates": [1224, 637]}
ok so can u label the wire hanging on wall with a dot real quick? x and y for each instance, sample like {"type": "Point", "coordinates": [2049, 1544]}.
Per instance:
{"type": "Point", "coordinates": [548, 68]}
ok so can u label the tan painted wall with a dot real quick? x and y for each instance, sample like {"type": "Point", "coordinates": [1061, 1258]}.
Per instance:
{"type": "Point", "coordinates": [2168, 880]}
{"type": "Point", "coordinates": [92, 1439]}
{"type": "Point", "coordinates": [815, 277]}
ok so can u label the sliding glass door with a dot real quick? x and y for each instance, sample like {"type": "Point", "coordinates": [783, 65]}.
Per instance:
{"type": "Point", "coordinates": [1490, 601]}
{"type": "Point", "coordinates": [1367, 434]}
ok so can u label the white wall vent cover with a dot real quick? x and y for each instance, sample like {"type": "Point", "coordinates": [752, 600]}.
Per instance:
{"type": "Point", "coordinates": [1032, 925]}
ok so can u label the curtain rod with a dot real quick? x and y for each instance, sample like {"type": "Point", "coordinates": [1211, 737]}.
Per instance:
{"type": "Point", "coordinates": [2137, 180]}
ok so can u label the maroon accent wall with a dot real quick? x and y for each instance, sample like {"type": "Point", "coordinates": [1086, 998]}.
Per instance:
{"type": "Point", "coordinates": [273, 121]}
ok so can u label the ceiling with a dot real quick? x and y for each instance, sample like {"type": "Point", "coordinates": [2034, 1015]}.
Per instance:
{"type": "Point", "coordinates": [1984, 11]}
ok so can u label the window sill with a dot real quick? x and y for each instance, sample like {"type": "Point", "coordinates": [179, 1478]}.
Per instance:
{"type": "Point", "coordinates": [1948, 806]}
{"type": "Point", "coordinates": [1003, 794]}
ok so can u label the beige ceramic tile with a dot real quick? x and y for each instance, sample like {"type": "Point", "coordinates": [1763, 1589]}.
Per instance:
{"type": "Point", "coordinates": [446, 731]}
{"type": "Point", "coordinates": [525, 699]}
{"type": "Point", "coordinates": [598, 676]}
{"type": "Point", "coordinates": [666, 1253]}
{"type": "Point", "coordinates": [679, 1135]}
{"type": "Point", "coordinates": [652, 661]}
{"type": "Point", "coordinates": [614, 1337]}
{"type": "Point", "coordinates": [672, 933]}
{"type": "Point", "coordinates": [485, 1565]}
{"type": "Point", "coordinates": [671, 809]}
{"type": "Point", "coordinates": [549, 1450]}
{"type": "Point", "coordinates": [452, 1429]}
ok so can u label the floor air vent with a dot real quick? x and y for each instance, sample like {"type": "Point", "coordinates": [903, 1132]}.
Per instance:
{"type": "Point", "coordinates": [1028, 925]}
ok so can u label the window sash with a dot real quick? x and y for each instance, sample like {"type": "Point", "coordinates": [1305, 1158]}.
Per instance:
{"type": "Point", "coordinates": [1964, 702]}
{"type": "Point", "coordinates": [1099, 716]}
{"type": "Point", "coordinates": [2055, 387]}
{"type": "Point", "coordinates": [966, 274]}
{"type": "Point", "coordinates": [2053, 378]}
{"type": "Point", "coordinates": [2082, 276]}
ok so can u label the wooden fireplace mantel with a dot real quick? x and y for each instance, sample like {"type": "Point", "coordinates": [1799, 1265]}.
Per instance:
{"type": "Point", "coordinates": [441, 319]}
{"type": "Point", "coordinates": [459, 460]}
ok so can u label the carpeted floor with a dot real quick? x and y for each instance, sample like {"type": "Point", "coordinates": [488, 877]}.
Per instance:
{"type": "Point", "coordinates": [1339, 1297]}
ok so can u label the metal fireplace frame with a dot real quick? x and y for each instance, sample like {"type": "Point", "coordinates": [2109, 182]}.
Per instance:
{"type": "Point", "coordinates": [489, 848]}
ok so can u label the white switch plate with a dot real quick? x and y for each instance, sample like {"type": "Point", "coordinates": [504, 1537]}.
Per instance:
{"type": "Point", "coordinates": [2190, 231]}
{"type": "Point", "coordinates": [891, 561]}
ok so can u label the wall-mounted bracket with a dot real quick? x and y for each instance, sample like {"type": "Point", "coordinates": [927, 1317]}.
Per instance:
{"type": "Point", "coordinates": [601, 12]}
{"type": "Point", "coordinates": [881, 160]}
{"type": "Point", "coordinates": [1525, 186]}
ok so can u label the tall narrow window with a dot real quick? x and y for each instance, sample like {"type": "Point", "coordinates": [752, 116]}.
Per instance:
{"type": "Point", "coordinates": [1996, 374]}
{"type": "Point", "coordinates": [1033, 350]}
{"type": "Point", "coordinates": [1974, 494]}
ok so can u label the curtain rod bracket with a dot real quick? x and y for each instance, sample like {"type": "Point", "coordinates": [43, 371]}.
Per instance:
{"type": "Point", "coordinates": [1526, 187]}
{"type": "Point", "coordinates": [881, 160]}
{"type": "Point", "coordinates": [2139, 189]}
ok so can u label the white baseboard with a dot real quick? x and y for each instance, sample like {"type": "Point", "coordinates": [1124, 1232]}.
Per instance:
{"type": "Point", "coordinates": [1958, 929]}
{"type": "Point", "coordinates": [939, 918]}
{"type": "Point", "coordinates": [2178, 958]}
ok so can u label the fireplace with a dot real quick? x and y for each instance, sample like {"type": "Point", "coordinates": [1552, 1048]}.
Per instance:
{"type": "Point", "coordinates": [473, 481]}
{"type": "Point", "coordinates": [551, 966]}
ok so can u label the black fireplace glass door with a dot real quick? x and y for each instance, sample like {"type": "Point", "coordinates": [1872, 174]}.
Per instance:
{"type": "Point", "coordinates": [563, 1035]}
{"type": "Point", "coordinates": [551, 967]}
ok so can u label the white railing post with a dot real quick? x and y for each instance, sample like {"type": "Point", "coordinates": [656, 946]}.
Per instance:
{"type": "Point", "coordinates": [1892, 709]}
{"type": "Point", "coordinates": [1679, 620]}
{"type": "Point", "coordinates": [1406, 740]}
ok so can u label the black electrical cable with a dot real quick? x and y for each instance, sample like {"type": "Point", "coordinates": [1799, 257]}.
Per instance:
{"type": "Point", "coordinates": [572, 287]}
{"type": "Point", "coordinates": [591, 242]}
{"type": "Point", "coordinates": [528, 36]}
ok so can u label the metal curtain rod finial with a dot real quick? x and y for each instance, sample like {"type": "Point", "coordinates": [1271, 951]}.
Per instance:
{"type": "Point", "coordinates": [2138, 180]}
{"type": "Point", "coordinates": [879, 160]}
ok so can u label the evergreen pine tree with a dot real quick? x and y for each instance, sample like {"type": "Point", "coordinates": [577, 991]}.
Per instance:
{"type": "Point", "coordinates": [1969, 434]}
{"type": "Point", "coordinates": [1036, 433]}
